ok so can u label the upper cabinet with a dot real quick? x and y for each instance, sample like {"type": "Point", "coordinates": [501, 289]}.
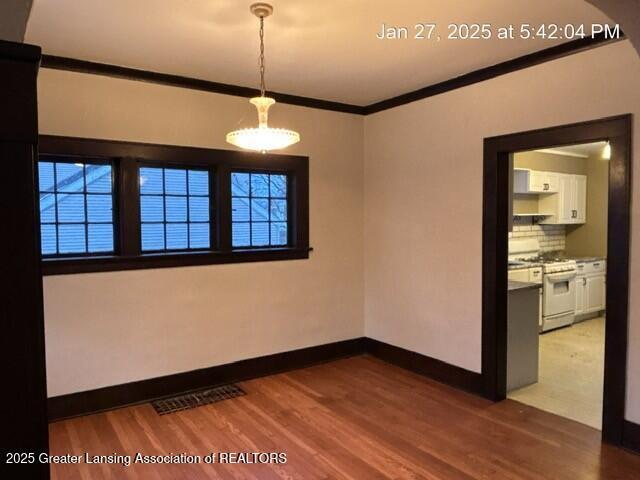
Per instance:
{"type": "Point", "coordinates": [569, 206]}
{"type": "Point", "coordinates": [527, 181]}
{"type": "Point", "coordinates": [561, 198]}
{"type": "Point", "coordinates": [580, 198]}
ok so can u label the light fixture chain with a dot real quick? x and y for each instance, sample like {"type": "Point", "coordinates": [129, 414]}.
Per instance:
{"type": "Point", "coordinates": [262, 86]}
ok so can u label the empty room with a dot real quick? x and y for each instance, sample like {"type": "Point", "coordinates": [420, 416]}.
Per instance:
{"type": "Point", "coordinates": [320, 240]}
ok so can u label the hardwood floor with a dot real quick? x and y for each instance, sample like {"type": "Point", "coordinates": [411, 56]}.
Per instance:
{"type": "Point", "coordinates": [357, 418]}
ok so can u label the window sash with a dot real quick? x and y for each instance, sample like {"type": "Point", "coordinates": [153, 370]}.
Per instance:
{"type": "Point", "coordinates": [86, 194]}
{"type": "Point", "coordinates": [189, 197]}
{"type": "Point", "coordinates": [126, 160]}
{"type": "Point", "coordinates": [250, 197]}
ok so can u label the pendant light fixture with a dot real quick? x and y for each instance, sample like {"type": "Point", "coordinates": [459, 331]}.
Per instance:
{"type": "Point", "coordinates": [606, 151]}
{"type": "Point", "coordinates": [263, 138]}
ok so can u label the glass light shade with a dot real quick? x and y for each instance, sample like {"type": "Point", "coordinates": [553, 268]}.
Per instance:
{"type": "Point", "coordinates": [606, 152]}
{"type": "Point", "coordinates": [263, 138]}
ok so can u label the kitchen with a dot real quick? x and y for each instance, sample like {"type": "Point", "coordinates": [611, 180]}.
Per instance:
{"type": "Point", "coordinates": [557, 250]}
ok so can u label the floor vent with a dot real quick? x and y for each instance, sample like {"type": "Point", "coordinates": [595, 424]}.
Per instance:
{"type": "Point", "coordinates": [196, 399]}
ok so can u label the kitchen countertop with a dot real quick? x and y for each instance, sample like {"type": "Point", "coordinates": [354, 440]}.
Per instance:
{"type": "Point", "coordinates": [524, 265]}
{"type": "Point", "coordinates": [515, 285]}
{"type": "Point", "coordinates": [588, 259]}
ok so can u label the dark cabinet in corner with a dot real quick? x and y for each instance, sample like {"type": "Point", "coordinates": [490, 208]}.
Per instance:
{"type": "Point", "coordinates": [522, 334]}
{"type": "Point", "coordinates": [24, 421]}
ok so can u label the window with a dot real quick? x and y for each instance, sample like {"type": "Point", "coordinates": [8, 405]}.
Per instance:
{"type": "Point", "coordinates": [174, 209]}
{"type": "Point", "coordinates": [110, 205]}
{"type": "Point", "coordinates": [76, 207]}
{"type": "Point", "coordinates": [259, 210]}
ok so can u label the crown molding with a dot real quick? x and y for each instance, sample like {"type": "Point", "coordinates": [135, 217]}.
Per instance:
{"type": "Point", "coordinates": [116, 71]}
{"type": "Point", "coordinates": [487, 73]}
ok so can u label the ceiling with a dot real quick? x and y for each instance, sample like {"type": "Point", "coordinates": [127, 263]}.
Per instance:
{"type": "Point", "coordinates": [583, 150]}
{"type": "Point", "coordinates": [326, 49]}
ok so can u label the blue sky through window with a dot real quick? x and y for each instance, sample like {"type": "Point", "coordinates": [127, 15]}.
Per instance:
{"type": "Point", "coordinates": [259, 210]}
{"type": "Point", "coordinates": [76, 207]}
{"type": "Point", "coordinates": [174, 209]}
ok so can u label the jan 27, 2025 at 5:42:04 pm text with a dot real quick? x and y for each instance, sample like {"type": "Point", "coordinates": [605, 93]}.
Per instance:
{"type": "Point", "coordinates": [486, 31]}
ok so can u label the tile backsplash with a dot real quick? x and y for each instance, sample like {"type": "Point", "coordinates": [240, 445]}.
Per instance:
{"type": "Point", "coordinates": [550, 237]}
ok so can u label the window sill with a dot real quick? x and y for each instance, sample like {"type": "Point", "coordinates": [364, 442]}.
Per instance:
{"type": "Point", "coordinates": [65, 266]}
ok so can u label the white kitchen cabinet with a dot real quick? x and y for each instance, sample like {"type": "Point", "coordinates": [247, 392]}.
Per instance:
{"type": "Point", "coordinates": [531, 275]}
{"type": "Point", "coordinates": [579, 199]}
{"type": "Point", "coordinates": [595, 293]}
{"type": "Point", "coordinates": [527, 181]}
{"type": "Point", "coordinates": [581, 286]}
{"type": "Point", "coordinates": [565, 200]}
{"type": "Point", "coordinates": [569, 205]}
{"type": "Point", "coordinates": [591, 287]}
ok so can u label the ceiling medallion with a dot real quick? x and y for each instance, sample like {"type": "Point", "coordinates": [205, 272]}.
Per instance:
{"type": "Point", "coordinates": [263, 138]}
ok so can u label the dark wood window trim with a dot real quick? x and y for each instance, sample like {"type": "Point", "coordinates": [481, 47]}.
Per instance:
{"type": "Point", "coordinates": [126, 157]}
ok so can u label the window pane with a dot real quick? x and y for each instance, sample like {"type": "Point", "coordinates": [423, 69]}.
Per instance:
{"type": "Point", "coordinates": [99, 208]}
{"type": "Point", "coordinates": [45, 176]}
{"type": "Point", "coordinates": [278, 186]}
{"type": "Point", "coordinates": [241, 235]}
{"type": "Point", "coordinates": [70, 208]}
{"type": "Point", "coordinates": [279, 234]}
{"type": "Point", "coordinates": [47, 208]}
{"type": "Point", "coordinates": [264, 211]}
{"type": "Point", "coordinates": [69, 177]}
{"type": "Point", "coordinates": [259, 185]}
{"type": "Point", "coordinates": [152, 236]}
{"type": "Point", "coordinates": [260, 234]}
{"type": "Point", "coordinates": [240, 209]}
{"type": "Point", "coordinates": [72, 220]}
{"type": "Point", "coordinates": [151, 180]}
{"type": "Point", "coordinates": [98, 178]}
{"type": "Point", "coordinates": [177, 236]}
{"type": "Point", "coordinates": [49, 244]}
{"type": "Point", "coordinates": [184, 198]}
{"type": "Point", "coordinates": [199, 235]}
{"type": "Point", "coordinates": [259, 209]}
{"type": "Point", "coordinates": [240, 184]}
{"type": "Point", "coordinates": [175, 181]}
{"type": "Point", "coordinates": [176, 209]}
{"type": "Point", "coordinates": [198, 209]}
{"type": "Point", "coordinates": [71, 238]}
{"type": "Point", "coordinates": [278, 210]}
{"type": "Point", "coordinates": [198, 182]}
{"type": "Point", "coordinates": [100, 238]}
{"type": "Point", "coordinates": [151, 208]}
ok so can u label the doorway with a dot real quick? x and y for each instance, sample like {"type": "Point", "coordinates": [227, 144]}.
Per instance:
{"type": "Point", "coordinates": [558, 242]}
{"type": "Point", "coordinates": [497, 215]}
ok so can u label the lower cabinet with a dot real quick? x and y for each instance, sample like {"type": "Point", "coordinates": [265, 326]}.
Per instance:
{"type": "Point", "coordinates": [580, 294]}
{"type": "Point", "coordinates": [596, 293]}
{"type": "Point", "coordinates": [591, 291]}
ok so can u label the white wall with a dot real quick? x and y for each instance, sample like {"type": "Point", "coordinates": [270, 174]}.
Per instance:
{"type": "Point", "coordinates": [423, 198]}
{"type": "Point", "coordinates": [422, 226]}
{"type": "Point", "coordinates": [111, 328]}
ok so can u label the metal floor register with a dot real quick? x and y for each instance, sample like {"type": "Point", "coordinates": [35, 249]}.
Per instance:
{"type": "Point", "coordinates": [196, 399]}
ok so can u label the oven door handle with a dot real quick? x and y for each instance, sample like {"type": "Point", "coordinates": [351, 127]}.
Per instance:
{"type": "Point", "coordinates": [560, 277]}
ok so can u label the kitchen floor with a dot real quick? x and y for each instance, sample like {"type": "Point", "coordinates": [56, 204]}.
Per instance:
{"type": "Point", "coordinates": [571, 372]}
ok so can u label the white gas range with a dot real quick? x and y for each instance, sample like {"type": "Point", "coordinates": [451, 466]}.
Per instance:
{"type": "Point", "coordinates": [558, 278]}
